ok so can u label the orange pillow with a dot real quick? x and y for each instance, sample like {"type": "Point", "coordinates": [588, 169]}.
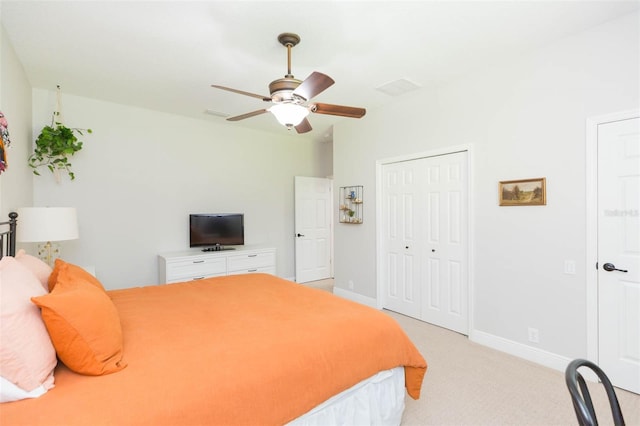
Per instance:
{"type": "Point", "coordinates": [84, 326]}
{"type": "Point", "coordinates": [69, 273]}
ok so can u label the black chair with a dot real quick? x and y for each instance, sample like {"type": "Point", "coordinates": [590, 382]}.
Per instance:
{"type": "Point", "coordinates": [582, 403]}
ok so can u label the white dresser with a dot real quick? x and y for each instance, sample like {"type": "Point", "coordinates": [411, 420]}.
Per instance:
{"type": "Point", "coordinates": [195, 264]}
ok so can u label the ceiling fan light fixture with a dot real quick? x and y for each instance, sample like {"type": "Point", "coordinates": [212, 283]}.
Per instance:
{"type": "Point", "coordinates": [289, 115]}
{"type": "Point", "coordinates": [288, 96]}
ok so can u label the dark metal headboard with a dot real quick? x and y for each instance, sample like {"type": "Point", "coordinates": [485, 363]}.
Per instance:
{"type": "Point", "coordinates": [8, 237]}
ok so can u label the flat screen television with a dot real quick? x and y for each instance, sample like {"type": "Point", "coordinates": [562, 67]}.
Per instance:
{"type": "Point", "coordinates": [216, 230]}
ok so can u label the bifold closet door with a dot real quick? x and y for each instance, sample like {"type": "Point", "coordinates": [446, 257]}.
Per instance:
{"type": "Point", "coordinates": [425, 243]}
{"type": "Point", "coordinates": [401, 192]}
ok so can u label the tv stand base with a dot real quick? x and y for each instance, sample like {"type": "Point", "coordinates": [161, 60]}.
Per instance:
{"type": "Point", "coordinates": [193, 264]}
{"type": "Point", "coordinates": [218, 248]}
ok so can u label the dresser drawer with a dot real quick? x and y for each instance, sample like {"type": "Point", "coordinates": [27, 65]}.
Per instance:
{"type": "Point", "coordinates": [194, 278]}
{"type": "Point", "coordinates": [196, 268]}
{"type": "Point", "coordinates": [265, 270]}
{"type": "Point", "coordinates": [247, 262]}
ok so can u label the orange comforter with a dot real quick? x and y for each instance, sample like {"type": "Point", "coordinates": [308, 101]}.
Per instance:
{"type": "Point", "coordinates": [250, 349]}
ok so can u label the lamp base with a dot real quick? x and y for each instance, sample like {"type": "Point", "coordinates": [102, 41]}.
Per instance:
{"type": "Point", "coordinates": [49, 252]}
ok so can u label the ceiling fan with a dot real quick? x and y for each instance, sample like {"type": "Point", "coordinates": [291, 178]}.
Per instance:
{"type": "Point", "coordinates": [290, 95]}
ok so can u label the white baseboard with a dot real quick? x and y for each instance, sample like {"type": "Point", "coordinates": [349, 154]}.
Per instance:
{"type": "Point", "coordinates": [355, 297]}
{"type": "Point", "coordinates": [539, 356]}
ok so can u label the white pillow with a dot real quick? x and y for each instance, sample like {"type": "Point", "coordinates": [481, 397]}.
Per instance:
{"type": "Point", "coordinates": [27, 356]}
{"type": "Point", "coordinates": [39, 268]}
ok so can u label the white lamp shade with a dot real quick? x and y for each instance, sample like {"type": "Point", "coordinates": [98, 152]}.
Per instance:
{"type": "Point", "coordinates": [289, 114]}
{"type": "Point", "coordinates": [39, 224]}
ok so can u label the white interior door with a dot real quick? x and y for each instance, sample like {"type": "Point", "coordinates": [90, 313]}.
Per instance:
{"type": "Point", "coordinates": [424, 239]}
{"type": "Point", "coordinates": [313, 225]}
{"type": "Point", "coordinates": [445, 272]}
{"type": "Point", "coordinates": [401, 266]}
{"type": "Point", "coordinates": [619, 252]}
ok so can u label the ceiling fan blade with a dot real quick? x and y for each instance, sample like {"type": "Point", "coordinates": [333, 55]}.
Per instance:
{"type": "Point", "coordinates": [339, 110]}
{"type": "Point", "coordinates": [314, 84]}
{"type": "Point", "coordinates": [247, 115]}
{"type": "Point", "coordinates": [241, 92]}
{"type": "Point", "coordinates": [304, 126]}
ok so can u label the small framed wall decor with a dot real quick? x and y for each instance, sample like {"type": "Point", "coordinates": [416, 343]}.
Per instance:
{"type": "Point", "coordinates": [524, 192]}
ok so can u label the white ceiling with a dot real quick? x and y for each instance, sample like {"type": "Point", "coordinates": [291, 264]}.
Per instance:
{"type": "Point", "coordinates": [164, 55]}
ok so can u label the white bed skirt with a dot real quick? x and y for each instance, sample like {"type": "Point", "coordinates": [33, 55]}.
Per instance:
{"type": "Point", "coordinates": [378, 400]}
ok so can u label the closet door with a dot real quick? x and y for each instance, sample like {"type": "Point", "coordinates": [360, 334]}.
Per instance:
{"type": "Point", "coordinates": [444, 250]}
{"type": "Point", "coordinates": [425, 239]}
{"type": "Point", "coordinates": [401, 238]}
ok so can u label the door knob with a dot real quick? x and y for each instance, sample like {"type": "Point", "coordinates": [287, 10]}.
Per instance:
{"type": "Point", "coordinates": [299, 235]}
{"type": "Point", "coordinates": [611, 267]}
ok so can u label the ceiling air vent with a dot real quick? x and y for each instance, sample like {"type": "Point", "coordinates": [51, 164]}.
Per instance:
{"type": "Point", "coordinates": [398, 87]}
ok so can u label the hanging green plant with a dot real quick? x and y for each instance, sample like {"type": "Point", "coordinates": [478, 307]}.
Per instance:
{"type": "Point", "coordinates": [55, 144]}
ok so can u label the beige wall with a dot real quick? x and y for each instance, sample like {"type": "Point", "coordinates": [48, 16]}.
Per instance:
{"type": "Point", "coordinates": [523, 118]}
{"type": "Point", "coordinates": [142, 172]}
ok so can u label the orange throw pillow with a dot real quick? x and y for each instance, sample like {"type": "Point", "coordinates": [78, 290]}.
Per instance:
{"type": "Point", "coordinates": [70, 273]}
{"type": "Point", "coordinates": [84, 326]}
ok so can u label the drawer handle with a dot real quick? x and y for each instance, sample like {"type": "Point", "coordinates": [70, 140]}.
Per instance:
{"type": "Point", "coordinates": [197, 278]}
{"type": "Point", "coordinates": [252, 270]}
{"type": "Point", "coordinates": [198, 261]}
{"type": "Point", "coordinates": [251, 255]}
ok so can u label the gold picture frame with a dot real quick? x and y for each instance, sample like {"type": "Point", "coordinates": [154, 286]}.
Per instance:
{"type": "Point", "coordinates": [523, 192]}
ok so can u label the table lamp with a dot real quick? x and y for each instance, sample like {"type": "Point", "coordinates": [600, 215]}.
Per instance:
{"type": "Point", "coordinates": [47, 224]}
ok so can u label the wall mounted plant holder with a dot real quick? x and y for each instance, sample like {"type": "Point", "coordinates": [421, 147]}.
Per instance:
{"type": "Point", "coordinates": [350, 209]}
{"type": "Point", "coordinates": [55, 144]}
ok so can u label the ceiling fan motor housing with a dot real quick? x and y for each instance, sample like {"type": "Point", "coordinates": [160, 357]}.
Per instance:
{"type": "Point", "coordinates": [282, 90]}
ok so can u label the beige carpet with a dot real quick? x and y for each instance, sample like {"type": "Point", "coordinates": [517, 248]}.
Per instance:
{"type": "Point", "coordinates": [326, 285]}
{"type": "Point", "coordinates": [470, 384]}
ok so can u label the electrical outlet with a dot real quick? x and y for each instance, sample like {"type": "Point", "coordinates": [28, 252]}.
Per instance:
{"type": "Point", "coordinates": [534, 335]}
{"type": "Point", "coordinates": [350, 284]}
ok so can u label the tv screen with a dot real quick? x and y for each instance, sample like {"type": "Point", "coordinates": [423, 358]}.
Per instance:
{"type": "Point", "coordinates": [216, 229]}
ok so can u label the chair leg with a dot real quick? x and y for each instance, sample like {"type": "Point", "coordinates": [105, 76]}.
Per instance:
{"type": "Point", "coordinates": [586, 397]}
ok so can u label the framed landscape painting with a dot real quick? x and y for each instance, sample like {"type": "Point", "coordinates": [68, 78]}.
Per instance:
{"type": "Point", "coordinates": [524, 192]}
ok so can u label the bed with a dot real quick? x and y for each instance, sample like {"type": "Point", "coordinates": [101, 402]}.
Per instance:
{"type": "Point", "coordinates": [236, 350]}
